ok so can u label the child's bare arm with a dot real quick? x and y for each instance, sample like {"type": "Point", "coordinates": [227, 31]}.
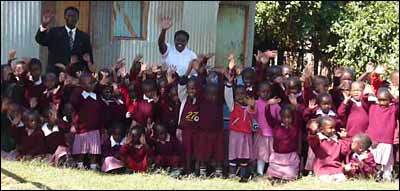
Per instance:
{"type": "Point", "coordinates": [369, 68]}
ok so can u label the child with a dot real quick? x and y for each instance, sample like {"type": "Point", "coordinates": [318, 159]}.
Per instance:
{"type": "Point", "coordinates": [248, 76]}
{"type": "Point", "coordinates": [170, 110]}
{"type": "Point", "coordinates": [90, 116]}
{"type": "Point", "coordinates": [55, 138]}
{"type": "Point", "coordinates": [240, 134]}
{"type": "Point", "coordinates": [105, 78]}
{"type": "Point", "coordinates": [7, 142]}
{"type": "Point", "coordinates": [383, 118]}
{"type": "Point", "coordinates": [146, 106]}
{"type": "Point", "coordinates": [263, 138]}
{"type": "Point", "coordinates": [114, 106]}
{"type": "Point", "coordinates": [320, 84]}
{"type": "Point", "coordinates": [134, 152]}
{"type": "Point", "coordinates": [328, 149]}
{"type": "Point", "coordinates": [51, 96]}
{"type": "Point", "coordinates": [275, 78]}
{"type": "Point", "coordinates": [347, 76]}
{"type": "Point", "coordinates": [354, 109]}
{"type": "Point", "coordinates": [36, 87]}
{"type": "Point", "coordinates": [360, 162]}
{"type": "Point", "coordinates": [110, 149]}
{"type": "Point", "coordinates": [284, 161]}
{"type": "Point", "coordinates": [168, 151]}
{"type": "Point", "coordinates": [30, 140]}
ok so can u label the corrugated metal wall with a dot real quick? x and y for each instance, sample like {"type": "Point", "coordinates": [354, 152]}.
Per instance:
{"type": "Point", "coordinates": [19, 22]}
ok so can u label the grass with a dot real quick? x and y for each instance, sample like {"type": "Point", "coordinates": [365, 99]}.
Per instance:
{"type": "Point", "coordinates": [36, 175]}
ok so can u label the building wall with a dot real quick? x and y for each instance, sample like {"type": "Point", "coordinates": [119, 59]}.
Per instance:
{"type": "Point", "coordinates": [19, 22]}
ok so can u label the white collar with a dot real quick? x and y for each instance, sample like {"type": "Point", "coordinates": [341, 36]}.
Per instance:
{"type": "Point", "coordinates": [361, 156]}
{"type": "Point", "coordinates": [358, 103]}
{"type": "Point", "coordinates": [20, 124]}
{"type": "Point", "coordinates": [147, 99]}
{"type": "Point", "coordinates": [47, 131]}
{"type": "Point", "coordinates": [38, 82]}
{"type": "Point", "coordinates": [65, 119]}
{"type": "Point", "coordinates": [114, 143]}
{"type": "Point", "coordinates": [299, 94]}
{"type": "Point", "coordinates": [315, 93]}
{"type": "Point", "coordinates": [68, 29]}
{"type": "Point", "coordinates": [86, 94]}
{"type": "Point", "coordinates": [250, 88]}
{"type": "Point", "coordinates": [322, 137]}
{"type": "Point", "coordinates": [330, 113]}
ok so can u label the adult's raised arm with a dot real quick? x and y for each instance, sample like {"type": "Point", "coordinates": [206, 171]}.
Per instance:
{"type": "Point", "coordinates": [42, 36]}
{"type": "Point", "coordinates": [166, 23]}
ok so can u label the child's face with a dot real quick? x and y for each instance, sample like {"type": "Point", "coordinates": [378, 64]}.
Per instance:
{"type": "Point", "coordinates": [287, 118]}
{"type": "Point", "coordinates": [264, 92]}
{"type": "Point", "coordinates": [321, 87]}
{"type": "Point", "coordinates": [191, 89]}
{"type": "Point", "coordinates": [293, 88]}
{"type": "Point", "coordinates": [107, 92]}
{"type": "Point", "coordinates": [161, 134]}
{"type": "Point", "coordinates": [117, 134]}
{"type": "Point", "coordinates": [88, 83]}
{"type": "Point", "coordinates": [286, 72]}
{"type": "Point", "coordinates": [13, 110]}
{"type": "Point", "coordinates": [356, 146]}
{"type": "Point", "coordinates": [67, 110]}
{"type": "Point", "coordinates": [173, 95]}
{"type": "Point", "coordinates": [163, 84]}
{"type": "Point", "coordinates": [326, 104]}
{"type": "Point", "coordinates": [180, 42]}
{"type": "Point", "coordinates": [248, 79]}
{"type": "Point", "coordinates": [35, 71]}
{"type": "Point", "coordinates": [383, 99]}
{"type": "Point", "coordinates": [394, 79]}
{"type": "Point", "coordinates": [211, 93]}
{"type": "Point", "coordinates": [132, 92]}
{"type": "Point", "coordinates": [136, 136]}
{"type": "Point", "coordinates": [328, 128]}
{"type": "Point", "coordinates": [51, 81]}
{"type": "Point", "coordinates": [32, 121]}
{"type": "Point", "coordinates": [356, 91]}
{"type": "Point", "coordinates": [106, 77]}
{"type": "Point", "coordinates": [52, 117]}
{"type": "Point", "coordinates": [74, 59]}
{"type": "Point", "coordinates": [346, 76]}
{"type": "Point", "coordinates": [345, 87]}
{"type": "Point", "coordinates": [19, 69]}
{"type": "Point", "coordinates": [240, 94]}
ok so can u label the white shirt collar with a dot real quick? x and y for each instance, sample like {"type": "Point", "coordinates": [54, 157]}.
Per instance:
{"type": "Point", "coordinates": [47, 131]}
{"type": "Point", "coordinates": [114, 143]}
{"type": "Point", "coordinates": [37, 82]}
{"type": "Point", "coordinates": [322, 137]}
{"type": "Point", "coordinates": [299, 94]}
{"type": "Point", "coordinates": [361, 156]}
{"type": "Point", "coordinates": [147, 99]}
{"type": "Point", "coordinates": [330, 113]}
{"type": "Point", "coordinates": [86, 94]}
{"type": "Point", "coordinates": [68, 29]}
{"type": "Point", "coordinates": [20, 124]}
{"type": "Point", "coordinates": [358, 103]}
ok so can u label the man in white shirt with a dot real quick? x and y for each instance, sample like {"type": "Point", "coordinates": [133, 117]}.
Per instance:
{"type": "Point", "coordinates": [178, 55]}
{"type": "Point", "coordinates": [63, 41]}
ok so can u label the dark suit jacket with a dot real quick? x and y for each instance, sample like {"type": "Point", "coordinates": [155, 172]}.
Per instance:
{"type": "Point", "coordinates": [57, 41]}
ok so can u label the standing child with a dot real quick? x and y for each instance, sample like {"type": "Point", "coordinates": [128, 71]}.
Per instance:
{"type": "Point", "coordinates": [263, 138]}
{"type": "Point", "coordinates": [360, 162]}
{"type": "Point", "coordinates": [134, 153]}
{"type": "Point", "coordinates": [110, 149]}
{"type": "Point", "coordinates": [383, 119]}
{"type": "Point", "coordinates": [89, 110]}
{"type": "Point", "coordinates": [284, 160]}
{"type": "Point", "coordinates": [328, 149]}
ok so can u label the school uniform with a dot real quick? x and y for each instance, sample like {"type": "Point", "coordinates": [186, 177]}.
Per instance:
{"type": "Point", "coordinates": [284, 161]}
{"type": "Point", "coordinates": [366, 164]}
{"type": "Point", "coordinates": [89, 120]}
{"type": "Point", "coordinates": [169, 116]}
{"type": "Point", "coordinates": [55, 142]}
{"type": "Point", "coordinates": [29, 145]}
{"type": "Point", "coordinates": [34, 89]}
{"type": "Point", "coordinates": [169, 153]}
{"type": "Point", "coordinates": [50, 97]}
{"type": "Point", "coordinates": [110, 150]}
{"type": "Point", "coordinates": [135, 157]}
{"type": "Point", "coordinates": [355, 116]}
{"type": "Point", "coordinates": [7, 141]}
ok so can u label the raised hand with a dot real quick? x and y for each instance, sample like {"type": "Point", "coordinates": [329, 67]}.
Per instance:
{"type": "Point", "coordinates": [293, 99]}
{"type": "Point", "coordinates": [138, 58]}
{"type": "Point", "coordinates": [122, 71]}
{"type": "Point", "coordinates": [229, 77]}
{"type": "Point", "coordinates": [166, 23]}
{"type": "Point", "coordinates": [170, 74]}
{"type": "Point", "coordinates": [324, 71]}
{"type": "Point", "coordinates": [274, 100]}
{"type": "Point", "coordinates": [370, 67]}
{"type": "Point", "coordinates": [11, 54]}
{"type": "Point", "coordinates": [143, 67]}
{"type": "Point", "coordinates": [17, 119]}
{"type": "Point", "coordinates": [346, 96]}
{"type": "Point", "coordinates": [231, 60]}
{"type": "Point", "coordinates": [312, 104]}
{"type": "Point", "coordinates": [47, 18]}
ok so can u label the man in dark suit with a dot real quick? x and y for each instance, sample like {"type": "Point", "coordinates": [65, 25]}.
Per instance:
{"type": "Point", "coordinates": [64, 41]}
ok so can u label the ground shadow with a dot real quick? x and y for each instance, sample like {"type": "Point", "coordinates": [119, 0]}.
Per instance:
{"type": "Point", "coordinates": [21, 180]}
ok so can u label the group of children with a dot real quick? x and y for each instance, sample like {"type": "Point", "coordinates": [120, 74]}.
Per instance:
{"type": "Point", "coordinates": [136, 120]}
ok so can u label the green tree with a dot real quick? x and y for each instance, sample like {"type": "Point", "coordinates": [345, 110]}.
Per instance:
{"type": "Point", "coordinates": [367, 31]}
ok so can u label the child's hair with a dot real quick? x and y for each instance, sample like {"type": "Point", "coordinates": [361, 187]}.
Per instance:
{"type": "Point", "coordinates": [321, 96]}
{"type": "Point", "coordinates": [365, 141]}
{"type": "Point", "coordinates": [192, 79]}
{"type": "Point", "coordinates": [385, 91]}
{"type": "Point", "coordinates": [323, 119]}
{"type": "Point", "coordinates": [248, 71]}
{"type": "Point", "coordinates": [103, 70]}
{"type": "Point", "coordinates": [149, 85]}
{"type": "Point", "coordinates": [273, 72]}
{"type": "Point", "coordinates": [293, 80]}
{"type": "Point", "coordinates": [181, 32]}
{"type": "Point", "coordinates": [137, 130]}
{"type": "Point", "coordinates": [34, 61]}
{"type": "Point", "coordinates": [158, 128]}
{"type": "Point", "coordinates": [349, 71]}
{"type": "Point", "coordinates": [319, 80]}
{"type": "Point", "coordinates": [288, 108]}
{"type": "Point", "coordinates": [117, 125]}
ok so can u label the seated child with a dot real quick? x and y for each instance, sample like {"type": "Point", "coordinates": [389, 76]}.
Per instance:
{"type": "Point", "coordinates": [110, 148]}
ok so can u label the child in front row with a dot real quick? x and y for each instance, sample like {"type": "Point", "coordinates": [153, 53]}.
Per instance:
{"type": "Point", "coordinates": [284, 161]}
{"type": "Point", "coordinates": [110, 149]}
{"type": "Point", "coordinates": [328, 149]}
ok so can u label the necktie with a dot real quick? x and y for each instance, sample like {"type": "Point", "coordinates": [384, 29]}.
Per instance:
{"type": "Point", "coordinates": [71, 40]}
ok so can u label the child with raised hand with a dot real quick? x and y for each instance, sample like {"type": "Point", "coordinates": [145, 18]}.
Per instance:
{"type": "Point", "coordinates": [134, 153]}
{"type": "Point", "coordinates": [360, 162]}
{"type": "Point", "coordinates": [111, 147]}
{"type": "Point", "coordinates": [240, 134]}
{"type": "Point", "coordinates": [383, 120]}
{"type": "Point", "coordinates": [89, 121]}
{"type": "Point", "coordinates": [284, 161]}
{"type": "Point", "coordinates": [328, 149]}
{"type": "Point", "coordinates": [168, 150]}
{"type": "Point", "coordinates": [263, 138]}
{"type": "Point", "coordinates": [35, 88]}
{"type": "Point", "coordinates": [354, 109]}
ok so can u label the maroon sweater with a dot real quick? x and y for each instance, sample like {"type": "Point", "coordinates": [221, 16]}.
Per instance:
{"type": "Point", "coordinates": [173, 147]}
{"type": "Point", "coordinates": [54, 140]}
{"type": "Point", "coordinates": [115, 111]}
{"type": "Point", "coordinates": [286, 140]}
{"type": "Point", "coordinates": [382, 123]}
{"type": "Point", "coordinates": [169, 116]}
{"type": "Point", "coordinates": [89, 112]}
{"type": "Point", "coordinates": [328, 154]}
{"type": "Point", "coordinates": [312, 114]}
{"type": "Point", "coordinates": [366, 166]}
{"type": "Point", "coordinates": [190, 115]}
{"type": "Point", "coordinates": [30, 145]}
{"type": "Point", "coordinates": [356, 118]}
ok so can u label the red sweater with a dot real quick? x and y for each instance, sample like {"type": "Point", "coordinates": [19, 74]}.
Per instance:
{"type": "Point", "coordinates": [30, 145]}
{"type": "Point", "coordinates": [366, 166]}
{"type": "Point", "coordinates": [135, 159]}
{"type": "Point", "coordinates": [239, 120]}
{"type": "Point", "coordinates": [328, 154]}
{"type": "Point", "coordinates": [356, 118]}
{"type": "Point", "coordinates": [383, 122]}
